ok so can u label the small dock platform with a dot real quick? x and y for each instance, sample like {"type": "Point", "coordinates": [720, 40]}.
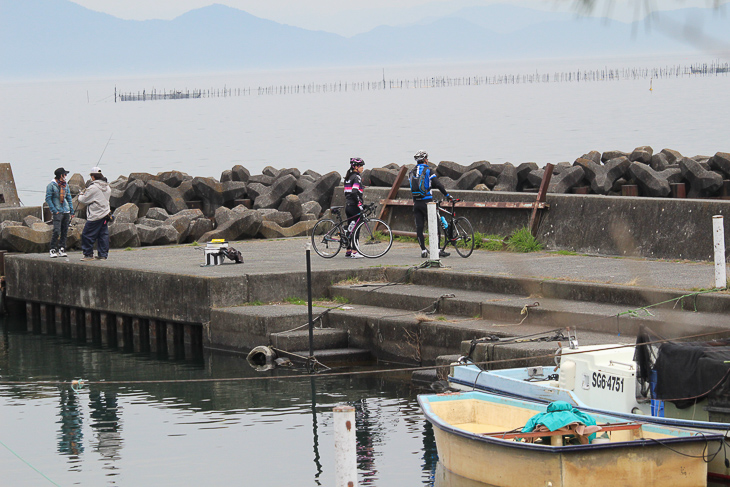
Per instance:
{"type": "Point", "coordinates": [161, 299]}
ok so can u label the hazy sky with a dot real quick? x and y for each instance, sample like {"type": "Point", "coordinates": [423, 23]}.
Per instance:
{"type": "Point", "coordinates": [349, 17]}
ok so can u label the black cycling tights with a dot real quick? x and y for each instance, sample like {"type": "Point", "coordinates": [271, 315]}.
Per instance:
{"type": "Point", "coordinates": [351, 211]}
{"type": "Point", "coordinates": [420, 213]}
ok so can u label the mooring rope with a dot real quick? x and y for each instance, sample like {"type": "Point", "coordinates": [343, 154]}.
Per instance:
{"type": "Point", "coordinates": [28, 463]}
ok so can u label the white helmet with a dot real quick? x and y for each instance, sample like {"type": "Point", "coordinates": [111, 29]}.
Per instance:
{"type": "Point", "coordinates": [420, 155]}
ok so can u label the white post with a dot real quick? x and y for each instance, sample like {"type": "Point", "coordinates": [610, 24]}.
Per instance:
{"type": "Point", "coordinates": [345, 454]}
{"type": "Point", "coordinates": [433, 232]}
{"type": "Point", "coordinates": [719, 238]}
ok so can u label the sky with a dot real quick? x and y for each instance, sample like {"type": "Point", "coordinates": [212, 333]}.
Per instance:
{"type": "Point", "coordinates": [349, 17]}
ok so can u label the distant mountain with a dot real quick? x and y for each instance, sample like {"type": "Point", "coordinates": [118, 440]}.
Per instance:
{"type": "Point", "coordinates": [52, 38]}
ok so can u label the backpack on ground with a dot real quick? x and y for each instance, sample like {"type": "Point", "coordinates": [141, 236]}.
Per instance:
{"type": "Point", "coordinates": [419, 182]}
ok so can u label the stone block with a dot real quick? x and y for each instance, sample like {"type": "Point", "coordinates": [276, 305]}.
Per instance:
{"type": "Point", "coordinates": [167, 197]}
{"type": "Point", "coordinates": [451, 170]}
{"type": "Point", "coordinates": [642, 154]}
{"type": "Point", "coordinates": [24, 239]}
{"type": "Point", "coordinates": [198, 228]}
{"type": "Point", "coordinates": [240, 173]}
{"type": "Point", "coordinates": [242, 224]}
{"type": "Point", "coordinates": [142, 176]}
{"type": "Point", "coordinates": [282, 218]}
{"type": "Point", "coordinates": [593, 155]}
{"type": "Point", "coordinates": [481, 166]}
{"type": "Point", "coordinates": [160, 235]}
{"type": "Point", "coordinates": [651, 182]}
{"type": "Point", "coordinates": [210, 192]}
{"type": "Point", "coordinates": [123, 235]}
{"type": "Point", "coordinates": [261, 179]}
{"type": "Point", "coordinates": [385, 177]}
{"type": "Point", "coordinates": [305, 182]}
{"type": "Point", "coordinates": [226, 176]}
{"type": "Point", "coordinates": [172, 178]}
{"type": "Point", "coordinates": [271, 172]}
{"type": "Point", "coordinates": [507, 179]}
{"type": "Point", "coordinates": [603, 177]}
{"type": "Point", "coordinates": [272, 230]}
{"type": "Point", "coordinates": [281, 187]}
{"type": "Point", "coordinates": [672, 156]}
{"type": "Point", "coordinates": [292, 170]}
{"type": "Point", "coordinates": [701, 181]}
{"type": "Point", "coordinates": [311, 207]}
{"type": "Point", "coordinates": [292, 205]}
{"type": "Point", "coordinates": [321, 190]}
{"type": "Point", "coordinates": [181, 223]}
{"type": "Point", "coordinates": [156, 213]}
{"type": "Point", "coordinates": [254, 190]}
{"type": "Point", "coordinates": [659, 161]}
{"type": "Point", "coordinates": [149, 222]}
{"type": "Point", "coordinates": [613, 154]}
{"type": "Point", "coordinates": [134, 192]}
{"type": "Point", "coordinates": [720, 162]}
{"type": "Point", "coordinates": [233, 190]}
{"type": "Point", "coordinates": [469, 179]}
{"type": "Point", "coordinates": [127, 213]}
{"type": "Point", "coordinates": [566, 180]}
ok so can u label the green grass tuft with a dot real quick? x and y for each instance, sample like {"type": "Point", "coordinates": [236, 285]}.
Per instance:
{"type": "Point", "coordinates": [566, 252]}
{"type": "Point", "coordinates": [340, 299]}
{"type": "Point", "coordinates": [255, 303]}
{"type": "Point", "coordinates": [523, 241]}
{"type": "Point", "coordinates": [295, 300]}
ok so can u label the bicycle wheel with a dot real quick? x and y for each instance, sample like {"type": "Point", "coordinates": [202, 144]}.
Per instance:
{"type": "Point", "coordinates": [327, 238]}
{"type": "Point", "coordinates": [370, 242]}
{"type": "Point", "coordinates": [463, 237]}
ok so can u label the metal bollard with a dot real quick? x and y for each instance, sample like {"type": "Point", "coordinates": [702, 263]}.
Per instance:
{"type": "Point", "coordinates": [345, 454]}
{"type": "Point", "coordinates": [719, 240]}
{"type": "Point", "coordinates": [433, 233]}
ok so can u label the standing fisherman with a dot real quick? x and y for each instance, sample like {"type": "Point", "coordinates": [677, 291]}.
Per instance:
{"type": "Point", "coordinates": [96, 196]}
{"type": "Point", "coordinates": [59, 202]}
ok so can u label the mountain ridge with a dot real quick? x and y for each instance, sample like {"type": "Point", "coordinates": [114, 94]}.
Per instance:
{"type": "Point", "coordinates": [57, 38]}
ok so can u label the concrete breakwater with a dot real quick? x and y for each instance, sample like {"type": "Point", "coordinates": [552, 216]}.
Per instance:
{"type": "Point", "coordinates": [173, 207]}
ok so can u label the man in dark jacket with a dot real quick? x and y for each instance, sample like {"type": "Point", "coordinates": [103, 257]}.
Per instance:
{"type": "Point", "coordinates": [58, 198]}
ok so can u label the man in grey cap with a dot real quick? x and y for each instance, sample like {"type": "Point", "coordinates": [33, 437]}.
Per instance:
{"type": "Point", "coordinates": [59, 202]}
{"type": "Point", "coordinates": [96, 196]}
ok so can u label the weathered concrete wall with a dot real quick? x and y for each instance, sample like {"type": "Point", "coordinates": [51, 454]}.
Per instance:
{"type": "Point", "coordinates": [592, 224]}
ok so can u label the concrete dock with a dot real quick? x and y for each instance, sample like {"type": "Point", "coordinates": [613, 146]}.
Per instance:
{"type": "Point", "coordinates": [160, 299]}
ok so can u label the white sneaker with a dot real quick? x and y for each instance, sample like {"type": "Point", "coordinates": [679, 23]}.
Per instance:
{"type": "Point", "coordinates": [424, 254]}
{"type": "Point", "coordinates": [62, 252]}
{"type": "Point", "coordinates": [53, 254]}
{"type": "Point", "coordinates": [355, 255]}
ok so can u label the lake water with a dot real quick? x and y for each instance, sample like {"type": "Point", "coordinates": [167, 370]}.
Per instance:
{"type": "Point", "coordinates": [268, 432]}
{"type": "Point", "coordinates": [46, 124]}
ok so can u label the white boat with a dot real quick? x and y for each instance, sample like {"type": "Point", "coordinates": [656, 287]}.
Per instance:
{"type": "Point", "coordinates": [478, 437]}
{"type": "Point", "coordinates": [596, 379]}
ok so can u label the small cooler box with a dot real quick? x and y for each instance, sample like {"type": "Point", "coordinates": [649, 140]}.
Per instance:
{"type": "Point", "coordinates": [213, 254]}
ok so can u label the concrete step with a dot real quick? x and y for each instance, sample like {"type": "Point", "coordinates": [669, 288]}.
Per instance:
{"type": "Point", "coordinates": [332, 356]}
{"type": "Point", "coordinates": [624, 294]}
{"type": "Point", "coordinates": [411, 338]}
{"type": "Point", "coordinates": [322, 339]}
{"type": "Point", "coordinates": [508, 310]}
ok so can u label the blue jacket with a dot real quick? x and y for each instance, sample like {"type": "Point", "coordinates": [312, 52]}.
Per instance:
{"type": "Point", "coordinates": [431, 182]}
{"type": "Point", "coordinates": [53, 198]}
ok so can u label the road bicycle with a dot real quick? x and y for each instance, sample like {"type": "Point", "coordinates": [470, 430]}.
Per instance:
{"type": "Point", "coordinates": [454, 230]}
{"type": "Point", "coordinates": [371, 237]}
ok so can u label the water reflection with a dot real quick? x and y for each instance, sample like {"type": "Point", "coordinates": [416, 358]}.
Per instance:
{"type": "Point", "coordinates": [71, 436]}
{"type": "Point", "coordinates": [109, 434]}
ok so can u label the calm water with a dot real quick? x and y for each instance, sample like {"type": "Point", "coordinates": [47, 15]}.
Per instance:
{"type": "Point", "coordinates": [267, 432]}
{"type": "Point", "coordinates": [68, 123]}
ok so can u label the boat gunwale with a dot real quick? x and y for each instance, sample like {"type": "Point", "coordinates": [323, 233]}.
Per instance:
{"type": "Point", "coordinates": [436, 421]}
{"type": "Point", "coordinates": [663, 421]}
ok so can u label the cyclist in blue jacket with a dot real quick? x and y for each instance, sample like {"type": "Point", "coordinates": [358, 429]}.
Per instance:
{"type": "Point", "coordinates": [422, 179]}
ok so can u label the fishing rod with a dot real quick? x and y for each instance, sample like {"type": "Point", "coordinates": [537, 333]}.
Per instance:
{"type": "Point", "coordinates": [102, 152]}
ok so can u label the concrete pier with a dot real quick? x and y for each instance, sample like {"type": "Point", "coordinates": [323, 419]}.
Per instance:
{"type": "Point", "coordinates": [161, 300]}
